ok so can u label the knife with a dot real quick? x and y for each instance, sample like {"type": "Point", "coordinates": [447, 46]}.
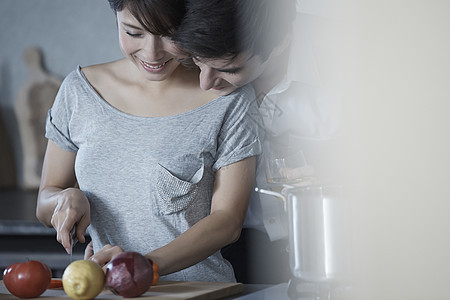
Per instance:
{"type": "Point", "coordinates": [73, 239]}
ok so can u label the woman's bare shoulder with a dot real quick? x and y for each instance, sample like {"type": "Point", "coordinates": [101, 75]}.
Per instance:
{"type": "Point", "coordinates": [104, 71]}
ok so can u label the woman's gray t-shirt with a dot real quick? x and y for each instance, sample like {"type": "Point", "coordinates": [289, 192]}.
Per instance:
{"type": "Point", "coordinates": [149, 179]}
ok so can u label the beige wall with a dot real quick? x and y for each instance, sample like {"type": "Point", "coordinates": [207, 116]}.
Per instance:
{"type": "Point", "coordinates": [397, 147]}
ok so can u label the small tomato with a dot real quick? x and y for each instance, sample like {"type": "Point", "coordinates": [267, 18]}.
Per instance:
{"type": "Point", "coordinates": [28, 279]}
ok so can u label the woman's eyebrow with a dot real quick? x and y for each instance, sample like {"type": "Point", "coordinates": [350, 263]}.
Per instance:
{"type": "Point", "coordinates": [131, 26]}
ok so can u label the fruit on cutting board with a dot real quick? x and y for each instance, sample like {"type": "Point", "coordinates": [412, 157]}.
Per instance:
{"type": "Point", "coordinates": [129, 274]}
{"type": "Point", "coordinates": [27, 279]}
{"type": "Point", "coordinates": [83, 279]}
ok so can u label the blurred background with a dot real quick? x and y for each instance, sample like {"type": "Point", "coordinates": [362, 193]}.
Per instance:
{"type": "Point", "coordinates": [67, 34]}
{"type": "Point", "coordinates": [397, 147]}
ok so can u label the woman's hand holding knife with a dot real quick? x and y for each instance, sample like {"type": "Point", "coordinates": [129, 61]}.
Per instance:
{"type": "Point", "coordinates": [71, 217]}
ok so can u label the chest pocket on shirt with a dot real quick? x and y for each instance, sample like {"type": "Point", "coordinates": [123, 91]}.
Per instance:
{"type": "Point", "coordinates": [174, 194]}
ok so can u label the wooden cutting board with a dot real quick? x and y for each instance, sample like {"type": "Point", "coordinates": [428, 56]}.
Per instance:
{"type": "Point", "coordinates": [32, 102]}
{"type": "Point", "coordinates": [165, 290]}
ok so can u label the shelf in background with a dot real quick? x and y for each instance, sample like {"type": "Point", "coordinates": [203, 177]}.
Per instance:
{"type": "Point", "coordinates": [17, 204]}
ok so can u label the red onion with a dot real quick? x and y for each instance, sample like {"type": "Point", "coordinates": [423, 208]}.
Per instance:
{"type": "Point", "coordinates": [129, 274]}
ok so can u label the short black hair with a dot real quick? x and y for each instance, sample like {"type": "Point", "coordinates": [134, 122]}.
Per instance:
{"type": "Point", "coordinates": [226, 28]}
{"type": "Point", "coordinates": [160, 17]}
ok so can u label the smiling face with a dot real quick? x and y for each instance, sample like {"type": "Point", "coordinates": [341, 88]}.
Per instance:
{"type": "Point", "coordinates": [152, 54]}
{"type": "Point", "coordinates": [225, 75]}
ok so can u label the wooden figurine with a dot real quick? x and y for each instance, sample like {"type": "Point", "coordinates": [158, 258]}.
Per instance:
{"type": "Point", "coordinates": [33, 101]}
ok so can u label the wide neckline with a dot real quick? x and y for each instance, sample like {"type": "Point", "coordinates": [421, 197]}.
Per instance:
{"type": "Point", "coordinates": [117, 111]}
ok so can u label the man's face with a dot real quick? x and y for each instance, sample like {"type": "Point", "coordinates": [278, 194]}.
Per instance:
{"type": "Point", "coordinates": [224, 75]}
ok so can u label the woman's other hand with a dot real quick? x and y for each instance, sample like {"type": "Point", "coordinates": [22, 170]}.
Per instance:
{"type": "Point", "coordinates": [89, 251]}
{"type": "Point", "coordinates": [104, 256]}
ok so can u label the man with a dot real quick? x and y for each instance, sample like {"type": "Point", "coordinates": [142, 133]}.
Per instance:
{"type": "Point", "coordinates": [235, 42]}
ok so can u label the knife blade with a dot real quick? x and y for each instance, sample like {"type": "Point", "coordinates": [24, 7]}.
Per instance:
{"type": "Point", "coordinates": [73, 240]}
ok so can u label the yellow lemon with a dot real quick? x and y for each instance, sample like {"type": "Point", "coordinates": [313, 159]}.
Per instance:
{"type": "Point", "coordinates": [83, 279]}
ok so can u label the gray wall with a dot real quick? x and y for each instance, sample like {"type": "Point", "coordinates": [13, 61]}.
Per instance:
{"type": "Point", "coordinates": [69, 33]}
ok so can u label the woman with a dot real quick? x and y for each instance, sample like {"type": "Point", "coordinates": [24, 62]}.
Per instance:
{"type": "Point", "coordinates": [163, 168]}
